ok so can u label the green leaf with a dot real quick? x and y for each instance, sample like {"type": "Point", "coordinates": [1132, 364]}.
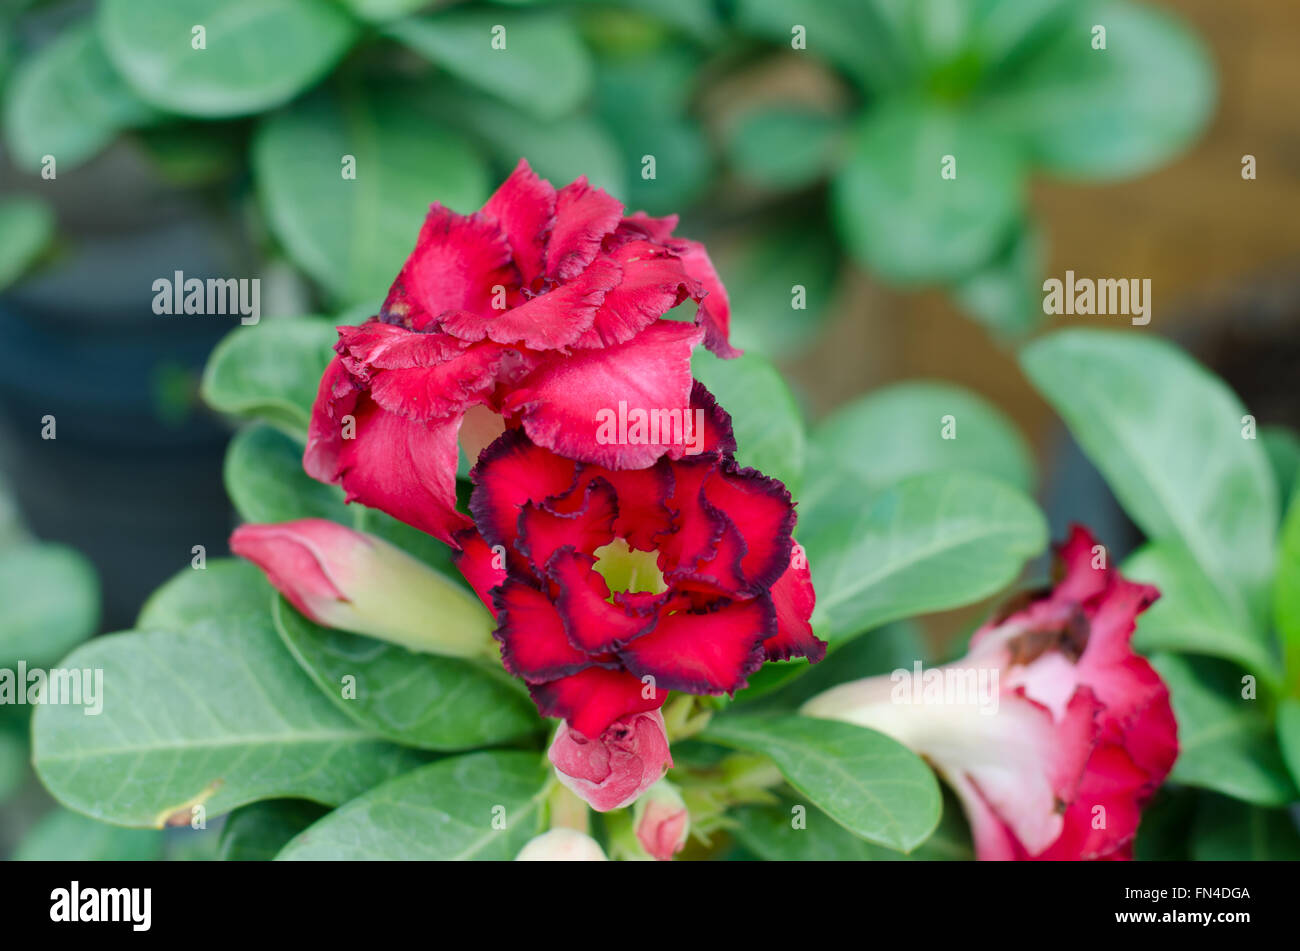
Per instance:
{"type": "Point", "coordinates": [1007, 295]}
{"type": "Point", "coordinates": [51, 603]}
{"type": "Point", "coordinates": [770, 833]}
{"type": "Point", "coordinates": [768, 427]}
{"type": "Point", "coordinates": [1288, 735]}
{"type": "Point", "coordinates": [352, 235]}
{"type": "Point", "coordinates": [1286, 592]}
{"type": "Point", "coordinates": [217, 714]}
{"type": "Point", "coordinates": [1190, 615]}
{"type": "Point", "coordinates": [1114, 113]}
{"type": "Point", "coordinates": [450, 810]}
{"type": "Point", "coordinates": [380, 11]}
{"type": "Point", "coordinates": [762, 275]}
{"type": "Point", "coordinates": [1166, 434]}
{"type": "Point", "coordinates": [855, 36]}
{"type": "Point", "coordinates": [271, 371]}
{"type": "Point", "coordinates": [66, 100]}
{"type": "Point", "coordinates": [868, 783]}
{"type": "Point", "coordinates": [1282, 447]}
{"type": "Point", "coordinates": [898, 431]}
{"type": "Point", "coordinates": [13, 761]}
{"type": "Point", "coordinates": [437, 703]}
{"type": "Point", "coordinates": [900, 217]}
{"type": "Point", "coordinates": [543, 69]}
{"type": "Point", "coordinates": [560, 150]}
{"type": "Point", "coordinates": [784, 148]}
{"type": "Point", "coordinates": [1226, 742]}
{"type": "Point", "coordinates": [265, 479]}
{"type": "Point", "coordinates": [63, 836]}
{"type": "Point", "coordinates": [257, 53]}
{"type": "Point", "coordinates": [227, 586]}
{"type": "Point", "coordinates": [1163, 835]}
{"type": "Point", "coordinates": [28, 227]}
{"type": "Point", "coordinates": [257, 832]}
{"type": "Point", "coordinates": [1231, 831]}
{"type": "Point", "coordinates": [931, 542]}
{"type": "Point", "coordinates": [885, 649]}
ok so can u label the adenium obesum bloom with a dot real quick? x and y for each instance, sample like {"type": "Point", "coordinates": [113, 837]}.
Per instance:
{"type": "Point", "coordinates": [350, 580]}
{"type": "Point", "coordinates": [562, 845]}
{"type": "Point", "coordinates": [1079, 736]}
{"type": "Point", "coordinates": [612, 770]}
{"type": "Point", "coordinates": [535, 311]}
{"type": "Point", "coordinates": [662, 821]}
{"type": "Point", "coordinates": [613, 587]}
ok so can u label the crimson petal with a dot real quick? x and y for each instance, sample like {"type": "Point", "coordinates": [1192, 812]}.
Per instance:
{"type": "Point", "coordinates": [583, 216]}
{"type": "Point", "coordinates": [793, 598]}
{"type": "Point", "coordinates": [509, 474]}
{"type": "Point", "coordinates": [592, 699]}
{"type": "Point", "coordinates": [533, 645]}
{"type": "Point", "coordinates": [591, 622]}
{"type": "Point", "coordinates": [524, 206]}
{"type": "Point", "coordinates": [712, 652]}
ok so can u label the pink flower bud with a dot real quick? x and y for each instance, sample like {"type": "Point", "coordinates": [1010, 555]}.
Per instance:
{"type": "Point", "coordinates": [357, 582]}
{"type": "Point", "coordinates": [612, 771]}
{"type": "Point", "coordinates": [562, 845]}
{"type": "Point", "coordinates": [662, 821]}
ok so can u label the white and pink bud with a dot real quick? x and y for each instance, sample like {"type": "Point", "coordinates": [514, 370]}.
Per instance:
{"type": "Point", "coordinates": [356, 582]}
{"type": "Point", "coordinates": [562, 845]}
{"type": "Point", "coordinates": [611, 771]}
{"type": "Point", "coordinates": [662, 821]}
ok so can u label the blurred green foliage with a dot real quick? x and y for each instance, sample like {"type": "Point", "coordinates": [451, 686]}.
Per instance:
{"type": "Point", "coordinates": [671, 105]}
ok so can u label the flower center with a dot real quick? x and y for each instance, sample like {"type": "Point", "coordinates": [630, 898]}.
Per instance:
{"type": "Point", "coordinates": [627, 569]}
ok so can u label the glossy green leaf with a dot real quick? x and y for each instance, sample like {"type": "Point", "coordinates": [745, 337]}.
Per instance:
{"type": "Point", "coordinates": [217, 714]}
{"type": "Point", "coordinates": [256, 54]}
{"type": "Point", "coordinates": [931, 542]}
{"type": "Point", "coordinates": [67, 101]}
{"type": "Point", "coordinates": [769, 430]}
{"type": "Point", "coordinates": [776, 834]}
{"type": "Point", "coordinates": [784, 148]}
{"type": "Point", "coordinates": [1167, 435]}
{"type": "Point", "coordinates": [781, 283]}
{"type": "Point", "coordinates": [1288, 735]}
{"type": "Point", "coordinates": [482, 806]}
{"type": "Point", "coordinates": [257, 832]}
{"type": "Point", "coordinates": [271, 370]}
{"type": "Point", "coordinates": [27, 225]}
{"type": "Point", "coordinates": [898, 431]}
{"type": "Point", "coordinates": [1122, 111]}
{"type": "Point", "coordinates": [1190, 615]}
{"type": "Point", "coordinates": [1226, 742]}
{"type": "Point", "coordinates": [51, 602]}
{"type": "Point", "coordinates": [1286, 592]}
{"type": "Point", "coordinates": [63, 836]}
{"type": "Point", "coordinates": [534, 60]}
{"type": "Point", "coordinates": [227, 586]}
{"type": "Point", "coordinates": [1007, 295]}
{"type": "Point", "coordinates": [353, 234]}
{"type": "Point", "coordinates": [13, 761]}
{"type": "Point", "coordinates": [1231, 831]}
{"type": "Point", "coordinates": [865, 781]}
{"type": "Point", "coordinates": [380, 11]}
{"type": "Point", "coordinates": [266, 482]}
{"type": "Point", "coordinates": [901, 217]}
{"type": "Point", "coordinates": [1282, 446]}
{"type": "Point", "coordinates": [437, 703]}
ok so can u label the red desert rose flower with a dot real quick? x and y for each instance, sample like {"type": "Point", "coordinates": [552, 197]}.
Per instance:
{"type": "Point", "coordinates": [534, 311]}
{"type": "Point", "coordinates": [613, 587]}
{"type": "Point", "coordinates": [1079, 735]}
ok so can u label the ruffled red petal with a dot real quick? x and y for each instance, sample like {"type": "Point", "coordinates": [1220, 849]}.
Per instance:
{"type": "Point", "coordinates": [591, 622]}
{"type": "Point", "coordinates": [794, 600]}
{"type": "Point", "coordinates": [653, 282]}
{"type": "Point", "coordinates": [568, 402]}
{"type": "Point", "coordinates": [524, 207]}
{"type": "Point", "coordinates": [404, 467]}
{"type": "Point", "coordinates": [533, 645]}
{"type": "Point", "coordinates": [643, 513]}
{"type": "Point", "coordinates": [543, 530]}
{"type": "Point", "coordinates": [583, 217]}
{"type": "Point", "coordinates": [509, 474]}
{"type": "Point", "coordinates": [480, 565]}
{"type": "Point", "coordinates": [457, 263]}
{"type": "Point", "coordinates": [545, 322]}
{"type": "Point", "coordinates": [714, 314]}
{"type": "Point", "coordinates": [592, 699]}
{"type": "Point", "coordinates": [712, 652]}
{"type": "Point", "coordinates": [761, 509]}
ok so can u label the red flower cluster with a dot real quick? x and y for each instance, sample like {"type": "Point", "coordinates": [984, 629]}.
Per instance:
{"type": "Point", "coordinates": [613, 587]}
{"type": "Point", "coordinates": [535, 311]}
